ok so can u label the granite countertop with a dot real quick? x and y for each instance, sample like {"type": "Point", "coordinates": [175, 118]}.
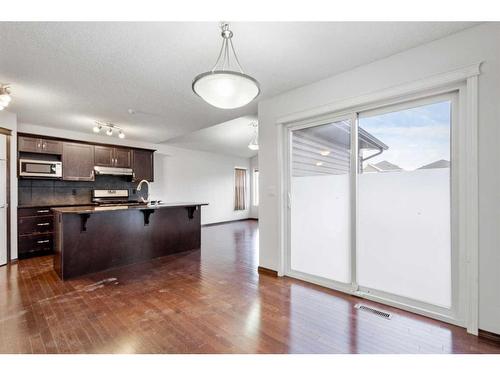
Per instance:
{"type": "Point", "coordinates": [93, 209]}
{"type": "Point", "coordinates": [54, 205]}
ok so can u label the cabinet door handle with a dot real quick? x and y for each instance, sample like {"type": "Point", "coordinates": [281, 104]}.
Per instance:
{"type": "Point", "coordinates": [43, 211]}
{"type": "Point", "coordinates": [43, 241]}
{"type": "Point", "coordinates": [43, 224]}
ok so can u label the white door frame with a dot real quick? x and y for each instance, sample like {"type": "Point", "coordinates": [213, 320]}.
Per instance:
{"type": "Point", "coordinates": [4, 201]}
{"type": "Point", "coordinates": [465, 80]}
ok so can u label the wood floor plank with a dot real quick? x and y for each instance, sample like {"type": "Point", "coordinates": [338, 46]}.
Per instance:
{"type": "Point", "coordinates": [206, 301]}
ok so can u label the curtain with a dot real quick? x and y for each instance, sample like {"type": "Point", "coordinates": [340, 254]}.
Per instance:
{"type": "Point", "coordinates": [240, 183]}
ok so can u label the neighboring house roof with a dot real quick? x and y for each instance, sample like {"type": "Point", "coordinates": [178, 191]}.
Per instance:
{"type": "Point", "coordinates": [370, 168]}
{"type": "Point", "coordinates": [382, 166]}
{"type": "Point", "coordinates": [437, 164]}
{"type": "Point", "coordinates": [367, 140]}
{"type": "Point", "coordinates": [386, 166]}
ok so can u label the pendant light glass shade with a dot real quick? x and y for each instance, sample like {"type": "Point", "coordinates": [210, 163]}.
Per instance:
{"type": "Point", "coordinates": [226, 89]}
{"type": "Point", "coordinates": [254, 143]}
{"type": "Point", "coordinates": [223, 87]}
{"type": "Point", "coordinates": [253, 146]}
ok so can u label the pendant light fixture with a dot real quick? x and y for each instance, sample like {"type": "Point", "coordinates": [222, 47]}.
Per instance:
{"type": "Point", "coordinates": [5, 97]}
{"type": "Point", "coordinates": [223, 87]}
{"type": "Point", "coordinates": [254, 143]}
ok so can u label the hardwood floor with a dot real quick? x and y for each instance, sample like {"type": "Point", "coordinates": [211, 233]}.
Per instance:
{"type": "Point", "coordinates": [208, 301]}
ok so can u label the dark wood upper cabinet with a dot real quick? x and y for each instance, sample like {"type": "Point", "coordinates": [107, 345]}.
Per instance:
{"type": "Point", "coordinates": [79, 158]}
{"type": "Point", "coordinates": [143, 165]}
{"type": "Point", "coordinates": [123, 157]}
{"type": "Point", "coordinates": [50, 146]}
{"type": "Point", "coordinates": [113, 157]}
{"type": "Point", "coordinates": [104, 156]}
{"type": "Point", "coordinates": [78, 162]}
{"type": "Point", "coordinates": [39, 145]}
{"type": "Point", "coordinates": [28, 144]}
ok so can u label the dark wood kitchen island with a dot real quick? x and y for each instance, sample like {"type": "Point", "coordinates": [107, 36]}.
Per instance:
{"type": "Point", "coordinates": [93, 238]}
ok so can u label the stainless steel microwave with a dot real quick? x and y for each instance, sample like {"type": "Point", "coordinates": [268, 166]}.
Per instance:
{"type": "Point", "coordinates": [40, 168]}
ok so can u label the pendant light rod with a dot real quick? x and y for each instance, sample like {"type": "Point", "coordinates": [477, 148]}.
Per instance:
{"type": "Point", "coordinates": [225, 50]}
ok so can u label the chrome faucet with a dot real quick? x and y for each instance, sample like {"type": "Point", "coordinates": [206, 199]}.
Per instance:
{"type": "Point", "coordinates": [139, 189]}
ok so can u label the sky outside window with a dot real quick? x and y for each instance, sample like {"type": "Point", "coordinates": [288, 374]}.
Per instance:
{"type": "Point", "coordinates": [416, 136]}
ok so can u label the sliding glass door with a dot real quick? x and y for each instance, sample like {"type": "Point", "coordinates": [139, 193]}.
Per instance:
{"type": "Point", "coordinates": [376, 219]}
{"type": "Point", "coordinates": [404, 215]}
{"type": "Point", "coordinates": [320, 199]}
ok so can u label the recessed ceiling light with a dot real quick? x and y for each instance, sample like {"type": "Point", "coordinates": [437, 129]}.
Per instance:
{"type": "Point", "coordinates": [319, 163]}
{"type": "Point", "coordinates": [324, 152]}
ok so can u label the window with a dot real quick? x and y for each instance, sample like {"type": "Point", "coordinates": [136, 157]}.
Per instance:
{"type": "Point", "coordinates": [240, 183]}
{"type": "Point", "coordinates": [255, 187]}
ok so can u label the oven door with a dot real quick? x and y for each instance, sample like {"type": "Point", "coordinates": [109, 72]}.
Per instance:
{"type": "Point", "coordinates": [40, 168]}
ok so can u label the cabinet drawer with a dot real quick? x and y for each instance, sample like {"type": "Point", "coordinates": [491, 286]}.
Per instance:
{"type": "Point", "coordinates": [35, 224]}
{"type": "Point", "coordinates": [37, 211]}
{"type": "Point", "coordinates": [31, 244]}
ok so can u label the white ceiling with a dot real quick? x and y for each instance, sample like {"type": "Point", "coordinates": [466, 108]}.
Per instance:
{"type": "Point", "coordinates": [230, 138]}
{"type": "Point", "coordinates": [66, 75]}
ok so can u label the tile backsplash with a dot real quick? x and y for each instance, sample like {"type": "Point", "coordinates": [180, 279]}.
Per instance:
{"type": "Point", "coordinates": [34, 192]}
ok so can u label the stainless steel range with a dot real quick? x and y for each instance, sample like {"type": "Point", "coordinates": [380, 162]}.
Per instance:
{"type": "Point", "coordinates": [113, 197]}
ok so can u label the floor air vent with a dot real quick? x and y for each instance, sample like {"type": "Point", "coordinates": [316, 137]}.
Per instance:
{"type": "Point", "coordinates": [380, 313]}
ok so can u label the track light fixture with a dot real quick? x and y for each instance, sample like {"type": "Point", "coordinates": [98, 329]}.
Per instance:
{"type": "Point", "coordinates": [109, 127]}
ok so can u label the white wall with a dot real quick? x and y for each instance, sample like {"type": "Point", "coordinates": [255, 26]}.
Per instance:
{"type": "Point", "coordinates": [470, 46]}
{"type": "Point", "coordinates": [254, 210]}
{"type": "Point", "coordinates": [180, 174]}
{"type": "Point", "coordinates": [187, 175]}
{"type": "Point", "coordinates": [8, 120]}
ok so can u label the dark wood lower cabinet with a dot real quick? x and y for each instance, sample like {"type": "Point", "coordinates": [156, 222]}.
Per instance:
{"type": "Point", "coordinates": [35, 228]}
{"type": "Point", "coordinates": [91, 240]}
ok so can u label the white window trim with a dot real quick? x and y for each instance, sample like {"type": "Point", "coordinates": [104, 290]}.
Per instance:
{"type": "Point", "coordinates": [255, 188]}
{"type": "Point", "coordinates": [464, 79]}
